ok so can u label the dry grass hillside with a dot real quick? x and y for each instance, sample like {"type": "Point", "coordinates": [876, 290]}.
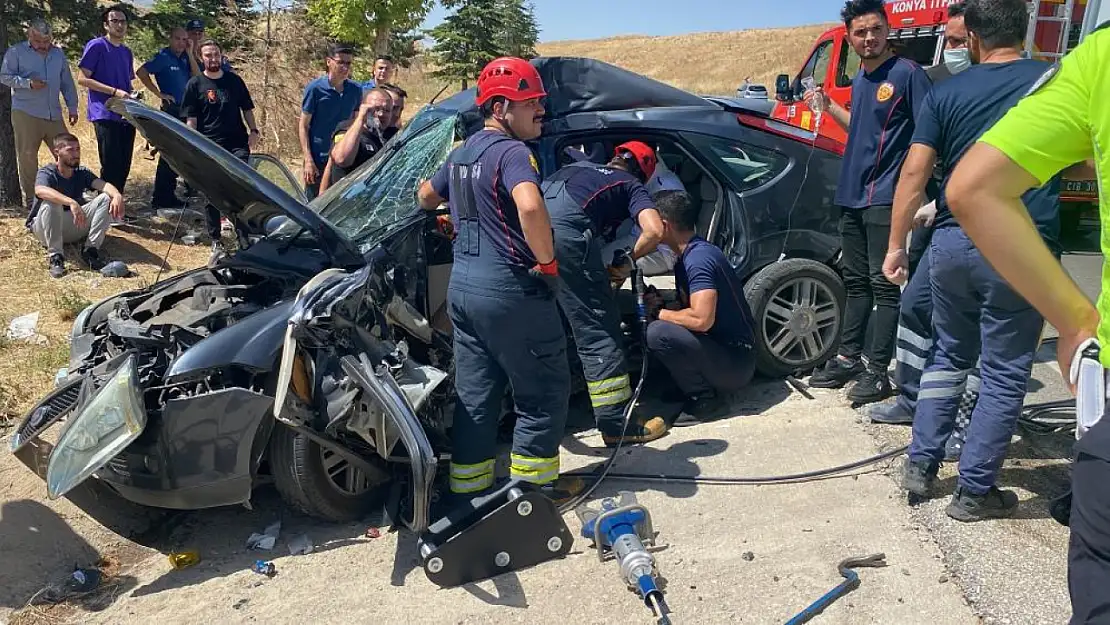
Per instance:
{"type": "Point", "coordinates": [705, 63]}
{"type": "Point", "coordinates": [709, 63]}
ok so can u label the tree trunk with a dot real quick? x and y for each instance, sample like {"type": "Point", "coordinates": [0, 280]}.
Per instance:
{"type": "Point", "coordinates": [10, 194]}
{"type": "Point", "coordinates": [381, 40]}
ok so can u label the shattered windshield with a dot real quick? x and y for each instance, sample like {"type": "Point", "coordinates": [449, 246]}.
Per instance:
{"type": "Point", "coordinates": [382, 192]}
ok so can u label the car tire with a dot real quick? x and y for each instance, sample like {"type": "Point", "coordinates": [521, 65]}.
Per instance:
{"type": "Point", "coordinates": [300, 471]}
{"type": "Point", "coordinates": [813, 296]}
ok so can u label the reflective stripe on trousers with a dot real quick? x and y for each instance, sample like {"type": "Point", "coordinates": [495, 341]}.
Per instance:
{"type": "Point", "coordinates": [471, 478]}
{"type": "Point", "coordinates": [535, 470]}
{"type": "Point", "coordinates": [610, 391]}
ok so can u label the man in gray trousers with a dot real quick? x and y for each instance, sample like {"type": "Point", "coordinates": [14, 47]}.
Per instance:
{"type": "Point", "coordinates": [60, 214]}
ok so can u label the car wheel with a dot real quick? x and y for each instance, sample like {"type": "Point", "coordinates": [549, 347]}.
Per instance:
{"type": "Point", "coordinates": [798, 306]}
{"type": "Point", "coordinates": [319, 482]}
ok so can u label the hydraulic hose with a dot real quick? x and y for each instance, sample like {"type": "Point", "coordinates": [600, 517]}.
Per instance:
{"type": "Point", "coordinates": [1030, 416]}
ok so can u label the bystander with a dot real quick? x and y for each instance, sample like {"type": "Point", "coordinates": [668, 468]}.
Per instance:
{"type": "Point", "coordinates": [37, 73]}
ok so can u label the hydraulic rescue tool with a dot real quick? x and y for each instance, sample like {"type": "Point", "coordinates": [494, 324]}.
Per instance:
{"type": "Point", "coordinates": [850, 583]}
{"type": "Point", "coordinates": [513, 528]}
{"type": "Point", "coordinates": [621, 529]}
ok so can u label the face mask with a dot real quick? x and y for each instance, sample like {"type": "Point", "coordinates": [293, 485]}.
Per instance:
{"type": "Point", "coordinates": [957, 60]}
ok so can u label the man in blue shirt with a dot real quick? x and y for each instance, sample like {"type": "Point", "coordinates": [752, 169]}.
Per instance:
{"type": "Point", "coordinates": [37, 73]}
{"type": "Point", "coordinates": [382, 72]}
{"type": "Point", "coordinates": [328, 101]}
{"type": "Point", "coordinates": [706, 342]}
{"type": "Point", "coordinates": [172, 67]}
{"type": "Point", "coordinates": [976, 314]}
{"type": "Point", "coordinates": [587, 203]}
{"type": "Point", "coordinates": [886, 97]}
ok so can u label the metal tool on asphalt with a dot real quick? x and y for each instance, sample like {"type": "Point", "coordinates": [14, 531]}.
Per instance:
{"type": "Point", "coordinates": [620, 529]}
{"type": "Point", "coordinates": [850, 583]}
{"type": "Point", "coordinates": [513, 528]}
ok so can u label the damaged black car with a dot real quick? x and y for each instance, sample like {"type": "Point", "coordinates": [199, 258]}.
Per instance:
{"type": "Point", "coordinates": [318, 355]}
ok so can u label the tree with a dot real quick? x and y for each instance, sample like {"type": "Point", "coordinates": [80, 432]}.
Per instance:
{"type": "Point", "coordinates": [468, 39]}
{"type": "Point", "coordinates": [367, 22]}
{"type": "Point", "coordinates": [226, 21]}
{"type": "Point", "coordinates": [69, 33]}
{"type": "Point", "coordinates": [520, 32]}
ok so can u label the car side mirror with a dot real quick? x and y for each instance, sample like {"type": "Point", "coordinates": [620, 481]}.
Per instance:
{"type": "Point", "coordinates": [783, 92]}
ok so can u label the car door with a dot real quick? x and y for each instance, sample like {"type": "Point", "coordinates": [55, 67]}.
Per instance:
{"type": "Point", "coordinates": [276, 172]}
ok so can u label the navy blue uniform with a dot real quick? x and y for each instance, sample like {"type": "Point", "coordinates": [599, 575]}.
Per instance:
{"type": "Point", "coordinates": [587, 202]}
{"type": "Point", "coordinates": [885, 103]}
{"type": "Point", "coordinates": [721, 360]}
{"type": "Point", "coordinates": [507, 329]}
{"type": "Point", "coordinates": [976, 314]}
{"type": "Point", "coordinates": [172, 73]}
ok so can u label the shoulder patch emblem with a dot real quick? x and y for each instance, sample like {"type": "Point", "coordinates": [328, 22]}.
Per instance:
{"type": "Point", "coordinates": [535, 165]}
{"type": "Point", "coordinates": [885, 92]}
{"type": "Point", "coordinates": [1045, 78]}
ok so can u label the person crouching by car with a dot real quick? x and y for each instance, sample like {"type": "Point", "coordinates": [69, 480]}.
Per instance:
{"type": "Point", "coordinates": [361, 141]}
{"type": "Point", "coordinates": [60, 214]}
{"type": "Point", "coordinates": [706, 342]}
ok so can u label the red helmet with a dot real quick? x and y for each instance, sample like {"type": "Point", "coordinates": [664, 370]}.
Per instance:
{"type": "Point", "coordinates": [643, 155]}
{"type": "Point", "coordinates": [511, 78]}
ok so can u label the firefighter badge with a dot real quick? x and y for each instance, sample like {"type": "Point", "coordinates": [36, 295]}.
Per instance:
{"type": "Point", "coordinates": [885, 92]}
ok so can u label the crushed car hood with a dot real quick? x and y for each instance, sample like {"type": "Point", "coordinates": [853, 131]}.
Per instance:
{"type": "Point", "coordinates": [239, 192]}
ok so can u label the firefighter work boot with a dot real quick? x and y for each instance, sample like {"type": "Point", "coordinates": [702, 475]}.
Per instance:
{"type": "Point", "coordinates": [994, 504]}
{"type": "Point", "coordinates": [639, 430]}
{"type": "Point", "coordinates": [564, 489]}
{"type": "Point", "coordinates": [896, 413]}
{"type": "Point", "coordinates": [917, 478]}
{"type": "Point", "coordinates": [836, 373]}
{"type": "Point", "coordinates": [871, 386]}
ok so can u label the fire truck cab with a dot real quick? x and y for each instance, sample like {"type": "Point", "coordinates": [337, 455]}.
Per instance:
{"type": "Point", "coordinates": [917, 33]}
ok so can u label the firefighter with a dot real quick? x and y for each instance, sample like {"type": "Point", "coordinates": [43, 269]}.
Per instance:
{"type": "Point", "coordinates": [914, 341]}
{"type": "Point", "coordinates": [587, 203]}
{"type": "Point", "coordinates": [975, 313]}
{"type": "Point", "coordinates": [501, 296]}
{"type": "Point", "coordinates": [1062, 122]}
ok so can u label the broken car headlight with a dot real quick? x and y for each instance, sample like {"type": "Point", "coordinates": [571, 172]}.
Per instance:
{"type": "Point", "coordinates": [109, 422]}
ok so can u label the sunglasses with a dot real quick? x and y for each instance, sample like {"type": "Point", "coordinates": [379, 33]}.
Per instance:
{"type": "Point", "coordinates": [342, 63]}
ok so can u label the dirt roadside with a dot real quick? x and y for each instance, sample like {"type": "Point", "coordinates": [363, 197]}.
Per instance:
{"type": "Point", "coordinates": [734, 554]}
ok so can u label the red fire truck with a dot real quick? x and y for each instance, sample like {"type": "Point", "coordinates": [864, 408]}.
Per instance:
{"type": "Point", "coordinates": [917, 32]}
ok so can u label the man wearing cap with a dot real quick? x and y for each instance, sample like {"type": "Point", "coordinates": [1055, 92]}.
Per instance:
{"type": "Point", "coordinates": [587, 203]}
{"type": "Point", "coordinates": [195, 29]}
{"type": "Point", "coordinates": [172, 68]}
{"type": "Point", "coordinates": [501, 298]}
{"type": "Point", "coordinates": [328, 101]}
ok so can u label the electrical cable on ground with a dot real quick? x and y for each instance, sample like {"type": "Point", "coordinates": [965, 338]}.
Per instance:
{"type": "Point", "coordinates": [1031, 418]}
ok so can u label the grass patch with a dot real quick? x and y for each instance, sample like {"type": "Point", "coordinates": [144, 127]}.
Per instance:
{"type": "Point", "coordinates": [50, 358]}
{"type": "Point", "coordinates": [69, 302]}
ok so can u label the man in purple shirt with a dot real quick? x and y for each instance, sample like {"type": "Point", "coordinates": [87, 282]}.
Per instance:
{"type": "Point", "coordinates": [107, 69]}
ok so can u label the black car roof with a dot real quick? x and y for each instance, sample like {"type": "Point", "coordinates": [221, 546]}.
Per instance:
{"type": "Point", "coordinates": [581, 85]}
